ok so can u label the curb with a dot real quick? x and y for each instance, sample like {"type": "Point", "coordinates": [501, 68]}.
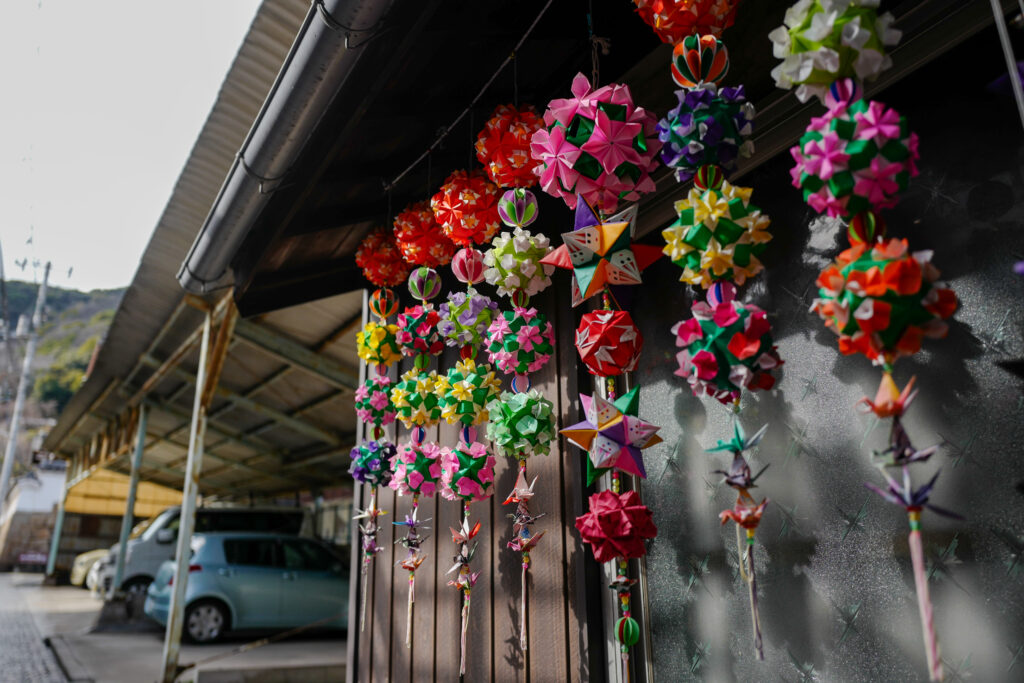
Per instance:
{"type": "Point", "coordinates": [73, 669]}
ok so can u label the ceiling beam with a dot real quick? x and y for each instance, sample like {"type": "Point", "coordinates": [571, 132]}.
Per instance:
{"type": "Point", "coordinates": [286, 349]}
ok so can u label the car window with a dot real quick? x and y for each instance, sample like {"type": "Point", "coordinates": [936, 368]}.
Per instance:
{"type": "Point", "coordinates": [260, 552]}
{"type": "Point", "coordinates": [309, 556]}
{"type": "Point", "coordinates": [283, 522]}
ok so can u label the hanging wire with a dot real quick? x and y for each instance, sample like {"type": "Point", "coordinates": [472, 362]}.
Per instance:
{"type": "Point", "coordinates": [448, 129]}
{"type": "Point", "coordinates": [1013, 71]}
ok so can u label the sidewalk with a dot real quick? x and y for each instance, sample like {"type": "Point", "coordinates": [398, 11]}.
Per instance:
{"type": "Point", "coordinates": [23, 656]}
{"type": "Point", "coordinates": [66, 614]}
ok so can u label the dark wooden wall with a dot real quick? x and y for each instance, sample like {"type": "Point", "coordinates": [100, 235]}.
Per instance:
{"type": "Point", "coordinates": [556, 607]}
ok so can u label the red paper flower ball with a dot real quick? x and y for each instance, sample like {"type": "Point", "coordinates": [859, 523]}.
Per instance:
{"type": "Point", "coordinates": [467, 208]}
{"type": "Point", "coordinates": [616, 526]}
{"type": "Point", "coordinates": [608, 342]}
{"type": "Point", "coordinates": [673, 20]}
{"type": "Point", "coordinates": [420, 238]}
{"type": "Point", "coordinates": [381, 260]}
{"type": "Point", "coordinates": [882, 300]}
{"type": "Point", "coordinates": [503, 146]}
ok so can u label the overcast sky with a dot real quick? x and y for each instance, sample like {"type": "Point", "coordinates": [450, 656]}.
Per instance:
{"type": "Point", "coordinates": [100, 104]}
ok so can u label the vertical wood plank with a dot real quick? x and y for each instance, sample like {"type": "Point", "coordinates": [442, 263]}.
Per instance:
{"type": "Point", "coordinates": [401, 656]}
{"type": "Point", "coordinates": [508, 658]}
{"type": "Point", "coordinates": [448, 600]}
{"type": "Point", "coordinates": [547, 649]}
{"type": "Point", "coordinates": [383, 570]}
{"type": "Point", "coordinates": [481, 622]}
{"type": "Point", "coordinates": [423, 631]}
{"type": "Point", "coordinates": [364, 660]}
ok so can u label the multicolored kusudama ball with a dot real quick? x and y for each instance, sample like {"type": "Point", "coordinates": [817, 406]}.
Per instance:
{"type": "Point", "coordinates": [857, 157]}
{"type": "Point", "coordinates": [468, 265]}
{"type": "Point", "coordinates": [424, 283]}
{"type": "Point", "coordinates": [882, 300]}
{"type": "Point", "coordinates": [709, 125]}
{"type": "Point", "coordinates": [699, 59]}
{"type": "Point", "coordinates": [466, 391]}
{"type": "Point", "coordinates": [598, 145]}
{"type": "Point", "coordinates": [420, 238]}
{"type": "Point", "coordinates": [373, 401]}
{"type": "Point", "coordinates": [608, 342]}
{"type": "Point", "coordinates": [417, 331]}
{"type": "Point", "coordinates": [383, 303]}
{"type": "Point", "coordinates": [513, 263]}
{"type": "Point", "coordinates": [673, 20]}
{"type": "Point", "coordinates": [377, 344]}
{"type": "Point", "coordinates": [521, 424]}
{"type": "Point", "coordinates": [466, 206]}
{"type": "Point", "coordinates": [415, 399]}
{"type": "Point", "coordinates": [465, 318]}
{"type": "Point", "coordinates": [627, 631]}
{"type": "Point", "coordinates": [467, 472]}
{"type": "Point", "coordinates": [416, 469]}
{"type": "Point", "coordinates": [719, 235]}
{"type": "Point", "coordinates": [520, 341]}
{"type": "Point", "coordinates": [518, 208]}
{"type": "Point", "coordinates": [381, 260]}
{"type": "Point", "coordinates": [503, 146]}
{"type": "Point", "coordinates": [727, 346]}
{"type": "Point", "coordinates": [371, 462]}
{"type": "Point", "coordinates": [823, 41]}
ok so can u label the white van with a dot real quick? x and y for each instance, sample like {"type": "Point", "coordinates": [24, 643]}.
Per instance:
{"type": "Point", "coordinates": [157, 543]}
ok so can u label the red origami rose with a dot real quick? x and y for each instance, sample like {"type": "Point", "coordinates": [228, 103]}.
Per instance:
{"type": "Point", "coordinates": [616, 526]}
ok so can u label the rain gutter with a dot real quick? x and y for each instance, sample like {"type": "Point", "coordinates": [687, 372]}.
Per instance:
{"type": "Point", "coordinates": [323, 56]}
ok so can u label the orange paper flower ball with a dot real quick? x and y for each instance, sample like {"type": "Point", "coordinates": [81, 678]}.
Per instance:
{"type": "Point", "coordinates": [381, 260]}
{"type": "Point", "coordinates": [467, 208]}
{"type": "Point", "coordinates": [503, 146]}
{"type": "Point", "coordinates": [420, 238]}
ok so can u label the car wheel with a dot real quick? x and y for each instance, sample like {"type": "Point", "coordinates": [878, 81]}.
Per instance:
{"type": "Point", "coordinates": [205, 621]}
{"type": "Point", "coordinates": [137, 586]}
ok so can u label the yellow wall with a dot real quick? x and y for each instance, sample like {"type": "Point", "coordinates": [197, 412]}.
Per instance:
{"type": "Point", "coordinates": [105, 491]}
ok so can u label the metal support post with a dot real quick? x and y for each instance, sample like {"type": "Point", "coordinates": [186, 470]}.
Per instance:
{"type": "Point", "coordinates": [176, 615]}
{"type": "Point", "coordinates": [58, 529]}
{"type": "Point", "coordinates": [129, 503]}
{"type": "Point", "coordinates": [23, 382]}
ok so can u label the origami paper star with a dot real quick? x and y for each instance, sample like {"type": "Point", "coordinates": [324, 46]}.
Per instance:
{"type": "Point", "coordinates": [613, 435]}
{"type": "Point", "coordinates": [600, 253]}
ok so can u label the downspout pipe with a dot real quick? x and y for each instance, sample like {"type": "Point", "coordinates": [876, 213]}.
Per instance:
{"type": "Point", "coordinates": [324, 54]}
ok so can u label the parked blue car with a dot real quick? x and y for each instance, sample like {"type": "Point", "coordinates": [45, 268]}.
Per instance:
{"type": "Point", "coordinates": [254, 581]}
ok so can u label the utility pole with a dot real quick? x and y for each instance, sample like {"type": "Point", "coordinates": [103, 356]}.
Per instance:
{"type": "Point", "coordinates": [5, 329]}
{"type": "Point", "coordinates": [23, 382]}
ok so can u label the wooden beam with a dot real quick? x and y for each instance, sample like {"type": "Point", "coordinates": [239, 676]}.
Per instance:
{"type": "Point", "coordinates": [288, 350]}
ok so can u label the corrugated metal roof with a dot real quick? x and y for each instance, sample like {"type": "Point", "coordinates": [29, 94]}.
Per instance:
{"type": "Point", "coordinates": [154, 292]}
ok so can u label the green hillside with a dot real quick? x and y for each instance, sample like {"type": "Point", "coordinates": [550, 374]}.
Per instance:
{"type": "Point", "coordinates": [74, 323]}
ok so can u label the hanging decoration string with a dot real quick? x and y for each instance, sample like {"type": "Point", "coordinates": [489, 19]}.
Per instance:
{"type": "Point", "coordinates": [448, 129]}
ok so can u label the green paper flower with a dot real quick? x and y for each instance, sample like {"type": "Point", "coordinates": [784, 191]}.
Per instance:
{"type": "Point", "coordinates": [415, 398]}
{"type": "Point", "coordinates": [466, 391]}
{"type": "Point", "coordinates": [521, 424]}
{"type": "Point", "coordinates": [520, 341]}
{"type": "Point", "coordinates": [513, 263]}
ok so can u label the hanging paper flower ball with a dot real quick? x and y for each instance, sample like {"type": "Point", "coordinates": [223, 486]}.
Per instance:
{"type": "Point", "coordinates": [627, 631]}
{"type": "Point", "coordinates": [467, 472]}
{"type": "Point", "coordinates": [673, 20]}
{"type": "Point", "coordinates": [882, 300]}
{"type": "Point", "coordinates": [598, 144]}
{"type": "Point", "coordinates": [377, 344]}
{"type": "Point", "coordinates": [416, 469]}
{"type": "Point", "coordinates": [371, 462]}
{"type": "Point", "coordinates": [857, 157]}
{"type": "Point", "coordinates": [465, 318]}
{"type": "Point", "coordinates": [521, 424]}
{"type": "Point", "coordinates": [381, 260]}
{"type": "Point", "coordinates": [517, 208]}
{"type": "Point", "coordinates": [825, 40]}
{"type": "Point", "coordinates": [708, 126]}
{"type": "Point", "coordinates": [719, 235]}
{"type": "Point", "coordinates": [608, 342]}
{"type": "Point", "coordinates": [616, 526]}
{"type": "Point", "coordinates": [373, 401]}
{"type": "Point", "coordinates": [420, 238]}
{"type": "Point", "coordinates": [467, 208]}
{"type": "Point", "coordinates": [383, 303]}
{"type": "Point", "coordinates": [503, 146]}
{"type": "Point", "coordinates": [513, 263]}
{"type": "Point", "coordinates": [699, 59]}
{"type": "Point", "coordinates": [417, 331]}
{"type": "Point", "coordinates": [727, 346]}
{"type": "Point", "coordinates": [424, 283]}
{"type": "Point", "coordinates": [415, 399]}
{"type": "Point", "coordinates": [520, 341]}
{"type": "Point", "coordinates": [468, 265]}
{"type": "Point", "coordinates": [466, 391]}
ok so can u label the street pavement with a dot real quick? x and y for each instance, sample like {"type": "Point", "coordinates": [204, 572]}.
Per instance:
{"type": "Point", "coordinates": [23, 656]}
